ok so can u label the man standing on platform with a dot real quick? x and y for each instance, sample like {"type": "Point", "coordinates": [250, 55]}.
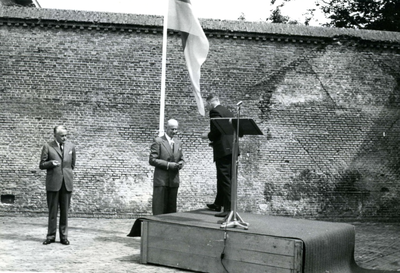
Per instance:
{"type": "Point", "coordinates": [167, 158]}
{"type": "Point", "coordinates": [58, 158]}
{"type": "Point", "coordinates": [222, 150]}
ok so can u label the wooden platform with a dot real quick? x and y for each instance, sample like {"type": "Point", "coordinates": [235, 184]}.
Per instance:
{"type": "Point", "coordinates": [194, 241]}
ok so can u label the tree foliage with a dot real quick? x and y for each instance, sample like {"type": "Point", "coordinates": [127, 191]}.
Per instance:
{"type": "Point", "coordinates": [277, 16]}
{"type": "Point", "coordinates": [22, 3]}
{"type": "Point", "coordinates": [363, 14]}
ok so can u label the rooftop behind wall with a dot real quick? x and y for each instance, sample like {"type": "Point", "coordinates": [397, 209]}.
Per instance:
{"type": "Point", "coordinates": [120, 21]}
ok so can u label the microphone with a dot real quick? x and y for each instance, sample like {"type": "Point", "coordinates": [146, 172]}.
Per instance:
{"type": "Point", "coordinates": [239, 103]}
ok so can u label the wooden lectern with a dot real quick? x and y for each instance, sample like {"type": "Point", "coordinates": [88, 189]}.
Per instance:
{"type": "Point", "coordinates": [238, 128]}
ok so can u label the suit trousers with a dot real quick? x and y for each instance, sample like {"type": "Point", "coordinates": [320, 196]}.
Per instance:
{"type": "Point", "coordinates": [164, 200]}
{"type": "Point", "coordinates": [224, 175]}
{"type": "Point", "coordinates": [55, 199]}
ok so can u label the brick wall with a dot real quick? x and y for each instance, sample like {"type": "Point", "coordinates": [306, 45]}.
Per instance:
{"type": "Point", "coordinates": [327, 101]}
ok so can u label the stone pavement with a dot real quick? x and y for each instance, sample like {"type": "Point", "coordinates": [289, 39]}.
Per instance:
{"type": "Point", "coordinates": [101, 245]}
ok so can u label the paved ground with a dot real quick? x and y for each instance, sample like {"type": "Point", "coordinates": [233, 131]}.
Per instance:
{"type": "Point", "coordinates": [101, 245]}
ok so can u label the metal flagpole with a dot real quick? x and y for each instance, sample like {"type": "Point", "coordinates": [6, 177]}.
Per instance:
{"type": "Point", "coordinates": [163, 71]}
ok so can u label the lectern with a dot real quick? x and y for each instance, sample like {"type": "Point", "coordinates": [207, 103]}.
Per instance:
{"type": "Point", "coordinates": [237, 127]}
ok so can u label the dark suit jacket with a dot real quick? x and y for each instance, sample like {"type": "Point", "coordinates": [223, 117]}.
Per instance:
{"type": "Point", "coordinates": [222, 144]}
{"type": "Point", "coordinates": [56, 174]}
{"type": "Point", "coordinates": [160, 154]}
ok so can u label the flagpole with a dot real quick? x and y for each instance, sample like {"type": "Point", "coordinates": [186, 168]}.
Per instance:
{"type": "Point", "coordinates": [163, 71]}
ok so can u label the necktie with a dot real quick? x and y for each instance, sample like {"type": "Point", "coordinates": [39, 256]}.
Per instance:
{"type": "Point", "coordinates": [172, 144]}
{"type": "Point", "coordinates": [62, 148]}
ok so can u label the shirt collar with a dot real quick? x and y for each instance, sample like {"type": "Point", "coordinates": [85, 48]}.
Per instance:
{"type": "Point", "coordinates": [59, 144]}
{"type": "Point", "coordinates": [168, 138]}
{"type": "Point", "coordinates": [216, 105]}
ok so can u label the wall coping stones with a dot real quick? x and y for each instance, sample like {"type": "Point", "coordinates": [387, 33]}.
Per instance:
{"type": "Point", "coordinates": [28, 16]}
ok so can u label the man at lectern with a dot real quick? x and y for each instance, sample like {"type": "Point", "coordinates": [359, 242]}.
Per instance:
{"type": "Point", "coordinates": [167, 158]}
{"type": "Point", "coordinates": [222, 150]}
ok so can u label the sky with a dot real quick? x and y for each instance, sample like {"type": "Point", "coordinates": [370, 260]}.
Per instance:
{"type": "Point", "coordinates": [253, 10]}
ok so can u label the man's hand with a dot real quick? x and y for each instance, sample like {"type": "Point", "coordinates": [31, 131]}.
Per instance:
{"type": "Point", "coordinates": [55, 163]}
{"type": "Point", "coordinates": [204, 135]}
{"type": "Point", "coordinates": [173, 166]}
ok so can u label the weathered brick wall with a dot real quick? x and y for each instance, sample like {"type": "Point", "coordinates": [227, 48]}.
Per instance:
{"type": "Point", "coordinates": [326, 100]}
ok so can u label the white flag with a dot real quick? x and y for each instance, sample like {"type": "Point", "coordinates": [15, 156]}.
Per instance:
{"type": "Point", "coordinates": [194, 42]}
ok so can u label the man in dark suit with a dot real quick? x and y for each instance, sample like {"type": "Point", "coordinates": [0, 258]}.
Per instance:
{"type": "Point", "coordinates": [58, 158]}
{"type": "Point", "coordinates": [167, 158]}
{"type": "Point", "coordinates": [222, 150]}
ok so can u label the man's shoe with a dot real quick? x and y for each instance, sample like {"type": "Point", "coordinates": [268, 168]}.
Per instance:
{"type": "Point", "coordinates": [48, 241]}
{"type": "Point", "coordinates": [222, 214]}
{"type": "Point", "coordinates": [214, 207]}
{"type": "Point", "coordinates": [65, 242]}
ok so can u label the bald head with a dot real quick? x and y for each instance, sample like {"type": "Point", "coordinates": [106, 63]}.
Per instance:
{"type": "Point", "coordinates": [172, 127]}
{"type": "Point", "coordinates": [172, 122]}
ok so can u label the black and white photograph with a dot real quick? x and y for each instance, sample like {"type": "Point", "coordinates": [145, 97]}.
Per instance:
{"type": "Point", "coordinates": [215, 136]}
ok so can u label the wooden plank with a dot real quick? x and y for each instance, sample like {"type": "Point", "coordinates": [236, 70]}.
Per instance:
{"type": "Point", "coordinates": [235, 253]}
{"type": "Point", "coordinates": [268, 244]}
{"type": "Point", "coordinates": [298, 256]}
{"type": "Point", "coordinates": [241, 267]}
{"type": "Point", "coordinates": [200, 248]}
{"type": "Point", "coordinates": [206, 264]}
{"type": "Point", "coordinates": [144, 242]}
{"type": "Point", "coordinates": [184, 260]}
{"type": "Point", "coordinates": [263, 243]}
{"type": "Point", "coordinates": [235, 250]}
{"type": "Point", "coordinates": [205, 242]}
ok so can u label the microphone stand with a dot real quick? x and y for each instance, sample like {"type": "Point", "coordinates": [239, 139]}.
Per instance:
{"type": "Point", "coordinates": [234, 219]}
